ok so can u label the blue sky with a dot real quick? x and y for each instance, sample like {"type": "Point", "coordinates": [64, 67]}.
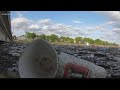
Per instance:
{"type": "Point", "coordinates": [66, 17]}
{"type": "Point", "coordinates": [93, 24]}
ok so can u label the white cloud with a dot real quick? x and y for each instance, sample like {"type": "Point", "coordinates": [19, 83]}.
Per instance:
{"type": "Point", "coordinates": [44, 26]}
{"type": "Point", "coordinates": [34, 26]}
{"type": "Point", "coordinates": [113, 16]}
{"type": "Point", "coordinates": [117, 31]}
{"type": "Point", "coordinates": [45, 22]}
{"type": "Point", "coordinates": [20, 23]}
{"type": "Point", "coordinates": [47, 26]}
{"type": "Point", "coordinates": [76, 21]}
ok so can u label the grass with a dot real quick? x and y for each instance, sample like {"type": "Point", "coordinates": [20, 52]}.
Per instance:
{"type": "Point", "coordinates": [91, 45]}
{"type": "Point", "coordinates": [23, 41]}
{"type": "Point", "coordinates": [62, 43]}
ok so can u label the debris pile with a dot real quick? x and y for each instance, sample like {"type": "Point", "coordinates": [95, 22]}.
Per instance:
{"type": "Point", "coordinates": [108, 58]}
{"type": "Point", "coordinates": [9, 56]}
{"type": "Point", "coordinates": [94, 71]}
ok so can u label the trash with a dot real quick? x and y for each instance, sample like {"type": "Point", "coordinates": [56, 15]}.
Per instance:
{"type": "Point", "coordinates": [95, 71]}
{"type": "Point", "coordinates": [108, 58]}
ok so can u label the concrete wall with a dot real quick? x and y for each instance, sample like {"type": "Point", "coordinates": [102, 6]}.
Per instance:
{"type": "Point", "coordinates": [5, 26]}
{"type": "Point", "coordinates": [2, 36]}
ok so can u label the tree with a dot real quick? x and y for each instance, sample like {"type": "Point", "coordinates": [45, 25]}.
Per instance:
{"type": "Point", "coordinates": [66, 39]}
{"type": "Point", "coordinates": [62, 39]}
{"type": "Point", "coordinates": [78, 39]}
{"type": "Point", "coordinates": [54, 38]}
{"type": "Point", "coordinates": [48, 38]}
{"type": "Point", "coordinates": [30, 35]}
{"type": "Point", "coordinates": [43, 36]}
{"type": "Point", "coordinates": [89, 40]}
{"type": "Point", "coordinates": [98, 41]}
{"type": "Point", "coordinates": [71, 40]}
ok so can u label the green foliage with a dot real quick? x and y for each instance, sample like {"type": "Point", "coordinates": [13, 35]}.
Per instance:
{"type": "Point", "coordinates": [48, 38]}
{"type": "Point", "coordinates": [62, 39]}
{"type": "Point", "coordinates": [98, 42]}
{"type": "Point", "coordinates": [78, 39]}
{"type": "Point", "coordinates": [66, 39]}
{"type": "Point", "coordinates": [30, 35]}
{"type": "Point", "coordinates": [71, 40]}
{"type": "Point", "coordinates": [54, 38]}
{"type": "Point", "coordinates": [89, 40]}
{"type": "Point", "coordinates": [43, 36]}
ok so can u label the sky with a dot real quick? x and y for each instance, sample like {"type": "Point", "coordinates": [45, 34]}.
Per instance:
{"type": "Point", "coordinates": [104, 25]}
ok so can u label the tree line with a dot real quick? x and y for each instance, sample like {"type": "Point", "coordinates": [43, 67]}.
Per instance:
{"type": "Point", "coordinates": [77, 40]}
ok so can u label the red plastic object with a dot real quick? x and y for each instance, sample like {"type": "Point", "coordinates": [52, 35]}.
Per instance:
{"type": "Point", "coordinates": [75, 69]}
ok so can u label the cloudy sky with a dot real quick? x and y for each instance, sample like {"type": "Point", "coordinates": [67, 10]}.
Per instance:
{"type": "Point", "coordinates": [104, 25]}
